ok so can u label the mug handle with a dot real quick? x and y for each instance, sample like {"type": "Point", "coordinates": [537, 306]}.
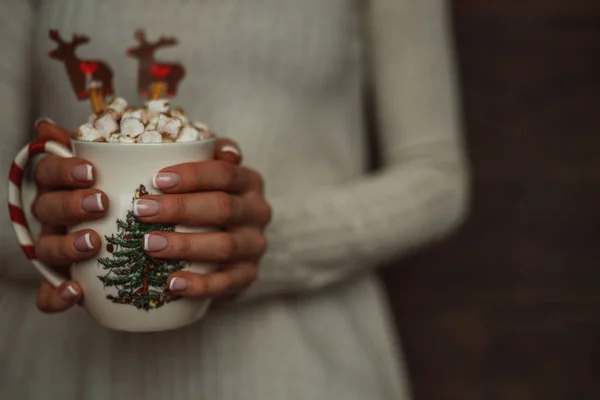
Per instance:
{"type": "Point", "coordinates": [15, 202]}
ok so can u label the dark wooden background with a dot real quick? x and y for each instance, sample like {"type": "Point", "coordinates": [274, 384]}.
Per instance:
{"type": "Point", "coordinates": [509, 307]}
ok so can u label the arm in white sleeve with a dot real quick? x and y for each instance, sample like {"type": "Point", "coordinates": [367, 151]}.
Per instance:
{"type": "Point", "coordinates": [420, 194]}
{"type": "Point", "coordinates": [16, 29]}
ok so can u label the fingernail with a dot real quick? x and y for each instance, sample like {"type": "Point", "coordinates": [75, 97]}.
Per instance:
{"type": "Point", "coordinates": [68, 294]}
{"type": "Point", "coordinates": [155, 242]}
{"type": "Point", "coordinates": [93, 203]}
{"type": "Point", "coordinates": [82, 173]}
{"type": "Point", "coordinates": [178, 284]}
{"type": "Point", "coordinates": [84, 243]}
{"type": "Point", "coordinates": [145, 208]}
{"type": "Point", "coordinates": [230, 149]}
{"type": "Point", "coordinates": [43, 119]}
{"type": "Point", "coordinates": [165, 180]}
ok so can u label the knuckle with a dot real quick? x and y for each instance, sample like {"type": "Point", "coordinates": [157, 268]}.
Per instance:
{"type": "Point", "coordinates": [225, 246]}
{"type": "Point", "coordinates": [266, 213]}
{"type": "Point", "coordinates": [261, 244]}
{"type": "Point", "coordinates": [185, 245]}
{"type": "Point", "coordinates": [257, 180]}
{"type": "Point", "coordinates": [225, 208]}
{"type": "Point", "coordinates": [41, 303]}
{"type": "Point", "coordinates": [181, 207]}
{"type": "Point", "coordinates": [252, 274]}
{"type": "Point", "coordinates": [41, 172]}
{"type": "Point", "coordinates": [225, 285]}
{"type": "Point", "coordinates": [59, 255]}
{"type": "Point", "coordinates": [54, 253]}
{"type": "Point", "coordinates": [70, 207]}
{"type": "Point", "coordinates": [36, 208]}
{"type": "Point", "coordinates": [227, 174]}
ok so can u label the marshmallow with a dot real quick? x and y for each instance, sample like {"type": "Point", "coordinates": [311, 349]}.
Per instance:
{"type": "Point", "coordinates": [166, 138]}
{"type": "Point", "coordinates": [178, 113]}
{"type": "Point", "coordinates": [88, 133]}
{"type": "Point", "coordinates": [132, 127]}
{"type": "Point", "coordinates": [158, 106]}
{"type": "Point", "coordinates": [200, 126]}
{"type": "Point", "coordinates": [188, 134]}
{"type": "Point", "coordinates": [152, 121]}
{"type": "Point", "coordinates": [118, 105]}
{"type": "Point", "coordinates": [114, 138]}
{"type": "Point", "coordinates": [136, 114]}
{"type": "Point", "coordinates": [106, 124]}
{"type": "Point", "coordinates": [206, 135]}
{"type": "Point", "coordinates": [168, 125]}
{"type": "Point", "coordinates": [127, 139]}
{"type": "Point", "coordinates": [150, 137]}
{"type": "Point", "coordinates": [92, 118]}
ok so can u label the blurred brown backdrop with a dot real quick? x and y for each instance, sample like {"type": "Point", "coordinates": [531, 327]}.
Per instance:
{"type": "Point", "coordinates": [509, 307]}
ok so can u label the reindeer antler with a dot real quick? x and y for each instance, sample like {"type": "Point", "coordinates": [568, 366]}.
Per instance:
{"type": "Point", "coordinates": [79, 39]}
{"type": "Point", "coordinates": [165, 41]}
{"type": "Point", "coordinates": [140, 36]}
{"type": "Point", "coordinates": [55, 36]}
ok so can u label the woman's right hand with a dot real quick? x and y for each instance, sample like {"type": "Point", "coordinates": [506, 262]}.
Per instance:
{"type": "Point", "coordinates": [65, 197]}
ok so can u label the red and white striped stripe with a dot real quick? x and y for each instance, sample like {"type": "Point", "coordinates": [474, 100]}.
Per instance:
{"type": "Point", "coordinates": [15, 203]}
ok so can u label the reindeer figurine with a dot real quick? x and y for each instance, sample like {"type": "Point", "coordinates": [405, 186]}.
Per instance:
{"type": "Point", "coordinates": [84, 75]}
{"type": "Point", "coordinates": [153, 76]}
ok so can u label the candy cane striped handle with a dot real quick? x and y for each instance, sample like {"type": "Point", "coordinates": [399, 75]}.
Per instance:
{"type": "Point", "coordinates": [15, 203]}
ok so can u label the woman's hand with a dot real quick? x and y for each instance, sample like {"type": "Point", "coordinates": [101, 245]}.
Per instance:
{"type": "Point", "coordinates": [218, 194]}
{"type": "Point", "coordinates": [66, 197]}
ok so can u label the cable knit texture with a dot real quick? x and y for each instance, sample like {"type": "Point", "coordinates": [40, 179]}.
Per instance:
{"type": "Point", "coordinates": [285, 79]}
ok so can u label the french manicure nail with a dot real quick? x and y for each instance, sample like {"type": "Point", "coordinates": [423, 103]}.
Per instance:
{"type": "Point", "coordinates": [84, 243]}
{"type": "Point", "coordinates": [68, 294]}
{"type": "Point", "coordinates": [43, 119]}
{"type": "Point", "coordinates": [165, 180]}
{"type": "Point", "coordinates": [93, 203]}
{"type": "Point", "coordinates": [230, 149]}
{"type": "Point", "coordinates": [178, 284]}
{"type": "Point", "coordinates": [82, 173]}
{"type": "Point", "coordinates": [145, 208]}
{"type": "Point", "coordinates": [155, 242]}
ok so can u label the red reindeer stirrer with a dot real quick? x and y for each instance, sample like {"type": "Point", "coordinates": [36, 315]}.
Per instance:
{"type": "Point", "coordinates": [89, 78]}
{"type": "Point", "coordinates": [154, 78]}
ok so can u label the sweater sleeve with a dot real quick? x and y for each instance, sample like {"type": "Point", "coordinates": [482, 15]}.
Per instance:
{"type": "Point", "coordinates": [418, 196]}
{"type": "Point", "coordinates": [16, 29]}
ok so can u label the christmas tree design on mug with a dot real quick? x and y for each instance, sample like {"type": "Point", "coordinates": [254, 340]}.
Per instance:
{"type": "Point", "coordinates": [140, 280]}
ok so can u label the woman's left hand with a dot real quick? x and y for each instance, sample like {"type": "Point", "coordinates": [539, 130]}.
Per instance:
{"type": "Point", "coordinates": [219, 194]}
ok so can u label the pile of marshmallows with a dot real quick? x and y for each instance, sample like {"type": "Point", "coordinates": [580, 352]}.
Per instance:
{"type": "Point", "coordinates": [156, 122]}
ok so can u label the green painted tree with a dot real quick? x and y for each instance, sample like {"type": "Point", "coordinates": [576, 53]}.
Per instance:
{"type": "Point", "coordinates": [140, 279]}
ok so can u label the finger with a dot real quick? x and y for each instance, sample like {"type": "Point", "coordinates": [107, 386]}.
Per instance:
{"type": "Point", "coordinates": [202, 209]}
{"type": "Point", "coordinates": [48, 130]}
{"type": "Point", "coordinates": [233, 279]}
{"type": "Point", "coordinates": [58, 172]}
{"type": "Point", "coordinates": [239, 244]}
{"type": "Point", "coordinates": [228, 150]}
{"type": "Point", "coordinates": [51, 300]}
{"type": "Point", "coordinates": [203, 176]}
{"type": "Point", "coordinates": [70, 207]}
{"type": "Point", "coordinates": [67, 249]}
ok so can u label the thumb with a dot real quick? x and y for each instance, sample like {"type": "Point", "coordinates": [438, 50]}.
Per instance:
{"type": "Point", "coordinates": [228, 150]}
{"type": "Point", "coordinates": [48, 130]}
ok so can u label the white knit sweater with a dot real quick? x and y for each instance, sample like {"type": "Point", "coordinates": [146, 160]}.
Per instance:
{"type": "Point", "coordinates": [284, 78]}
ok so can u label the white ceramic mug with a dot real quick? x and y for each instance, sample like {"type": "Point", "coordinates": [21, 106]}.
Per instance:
{"type": "Point", "coordinates": [124, 289]}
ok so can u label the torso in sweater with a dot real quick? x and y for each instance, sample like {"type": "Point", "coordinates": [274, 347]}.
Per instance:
{"type": "Point", "coordinates": [282, 77]}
